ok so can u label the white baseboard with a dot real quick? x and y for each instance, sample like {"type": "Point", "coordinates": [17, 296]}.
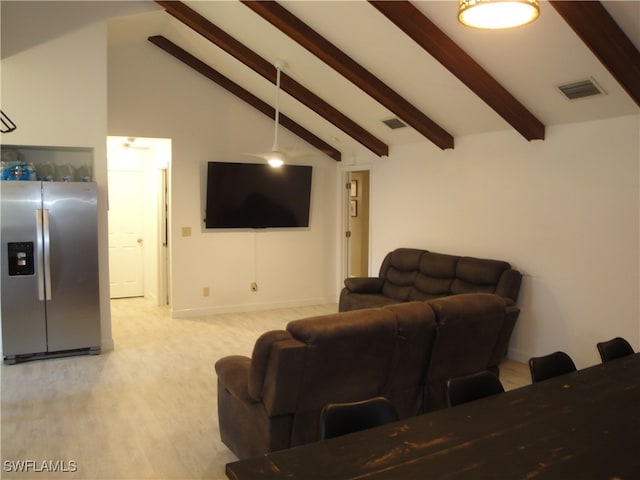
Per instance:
{"type": "Point", "coordinates": [106, 345]}
{"type": "Point", "coordinates": [198, 312]}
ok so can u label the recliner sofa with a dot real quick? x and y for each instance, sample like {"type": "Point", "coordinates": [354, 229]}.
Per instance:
{"type": "Point", "coordinates": [404, 352]}
{"type": "Point", "coordinates": [410, 274]}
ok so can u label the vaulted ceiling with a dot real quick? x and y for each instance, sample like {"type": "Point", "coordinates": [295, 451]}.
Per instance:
{"type": "Point", "coordinates": [350, 65]}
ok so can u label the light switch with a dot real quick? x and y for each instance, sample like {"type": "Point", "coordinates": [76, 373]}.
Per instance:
{"type": "Point", "coordinates": [186, 231]}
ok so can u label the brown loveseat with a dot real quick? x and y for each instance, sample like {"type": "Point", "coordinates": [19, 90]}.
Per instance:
{"type": "Point", "coordinates": [409, 274]}
{"type": "Point", "coordinates": [405, 352]}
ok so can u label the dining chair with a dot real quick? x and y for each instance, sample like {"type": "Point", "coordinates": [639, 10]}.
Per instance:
{"type": "Point", "coordinates": [341, 418]}
{"type": "Point", "coordinates": [472, 387]}
{"type": "Point", "coordinates": [614, 348]}
{"type": "Point", "coordinates": [549, 366]}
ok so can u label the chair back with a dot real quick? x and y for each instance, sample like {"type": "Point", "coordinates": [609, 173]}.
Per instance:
{"type": "Point", "coordinates": [341, 418]}
{"type": "Point", "coordinates": [614, 348]}
{"type": "Point", "coordinates": [472, 387]}
{"type": "Point", "coordinates": [549, 366]}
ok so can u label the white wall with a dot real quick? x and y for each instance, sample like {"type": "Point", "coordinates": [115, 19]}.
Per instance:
{"type": "Point", "coordinates": [56, 94]}
{"type": "Point", "coordinates": [153, 95]}
{"type": "Point", "coordinates": [564, 211]}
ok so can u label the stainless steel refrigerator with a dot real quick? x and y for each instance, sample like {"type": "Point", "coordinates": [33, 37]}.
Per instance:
{"type": "Point", "coordinates": [50, 283]}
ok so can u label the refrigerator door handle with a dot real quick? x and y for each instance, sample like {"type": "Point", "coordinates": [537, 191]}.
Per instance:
{"type": "Point", "coordinates": [43, 249]}
{"type": "Point", "coordinates": [47, 249]}
{"type": "Point", "coordinates": [39, 255]}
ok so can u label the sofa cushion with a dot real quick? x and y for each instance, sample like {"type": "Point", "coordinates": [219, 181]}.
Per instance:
{"type": "Point", "coordinates": [401, 273]}
{"type": "Point", "coordinates": [357, 355]}
{"type": "Point", "coordinates": [416, 332]}
{"type": "Point", "coordinates": [347, 356]}
{"type": "Point", "coordinates": [358, 301]}
{"type": "Point", "coordinates": [436, 275]}
{"type": "Point", "coordinates": [469, 326]}
{"type": "Point", "coordinates": [406, 259]}
{"type": "Point", "coordinates": [477, 275]}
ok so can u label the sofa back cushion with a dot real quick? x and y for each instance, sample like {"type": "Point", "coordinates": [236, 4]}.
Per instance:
{"type": "Point", "coordinates": [435, 277]}
{"type": "Point", "coordinates": [399, 271]}
{"type": "Point", "coordinates": [478, 275]}
{"type": "Point", "coordinates": [469, 326]}
{"type": "Point", "coordinates": [416, 331]}
{"type": "Point", "coordinates": [347, 357]}
{"type": "Point", "coordinates": [362, 354]}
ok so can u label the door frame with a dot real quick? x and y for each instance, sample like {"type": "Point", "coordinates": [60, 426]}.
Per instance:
{"type": "Point", "coordinates": [159, 174]}
{"type": "Point", "coordinates": [345, 202]}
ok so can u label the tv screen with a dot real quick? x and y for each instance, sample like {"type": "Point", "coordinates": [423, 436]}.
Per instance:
{"type": "Point", "coordinates": [255, 195]}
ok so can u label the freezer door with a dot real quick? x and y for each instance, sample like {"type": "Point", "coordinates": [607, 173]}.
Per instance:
{"type": "Point", "coordinates": [73, 309]}
{"type": "Point", "coordinates": [24, 327]}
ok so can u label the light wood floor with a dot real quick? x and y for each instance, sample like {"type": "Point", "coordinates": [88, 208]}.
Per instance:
{"type": "Point", "coordinates": [148, 409]}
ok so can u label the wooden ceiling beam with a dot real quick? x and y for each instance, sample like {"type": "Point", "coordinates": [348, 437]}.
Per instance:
{"type": "Point", "coordinates": [233, 47]}
{"type": "Point", "coordinates": [426, 34]}
{"type": "Point", "coordinates": [243, 94]}
{"type": "Point", "coordinates": [302, 33]}
{"type": "Point", "coordinates": [600, 32]}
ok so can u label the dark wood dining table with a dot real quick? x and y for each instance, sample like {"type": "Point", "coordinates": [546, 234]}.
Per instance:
{"type": "Point", "coordinates": [582, 425]}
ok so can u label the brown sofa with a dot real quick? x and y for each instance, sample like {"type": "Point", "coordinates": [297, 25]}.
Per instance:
{"type": "Point", "coordinates": [404, 352]}
{"type": "Point", "coordinates": [410, 274]}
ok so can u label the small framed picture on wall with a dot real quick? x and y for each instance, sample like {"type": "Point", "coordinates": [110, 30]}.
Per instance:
{"type": "Point", "coordinates": [354, 208]}
{"type": "Point", "coordinates": [354, 188]}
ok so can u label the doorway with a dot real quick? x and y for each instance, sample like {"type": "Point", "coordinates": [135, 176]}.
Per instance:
{"type": "Point", "coordinates": [358, 223]}
{"type": "Point", "coordinates": [138, 217]}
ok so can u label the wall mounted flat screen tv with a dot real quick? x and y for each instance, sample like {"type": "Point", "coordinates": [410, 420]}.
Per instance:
{"type": "Point", "coordinates": [255, 195]}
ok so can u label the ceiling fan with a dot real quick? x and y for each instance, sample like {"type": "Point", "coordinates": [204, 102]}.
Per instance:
{"type": "Point", "coordinates": [277, 156]}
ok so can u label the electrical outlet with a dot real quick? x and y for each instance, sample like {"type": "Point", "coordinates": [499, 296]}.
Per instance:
{"type": "Point", "coordinates": [205, 292]}
{"type": "Point", "coordinates": [254, 287]}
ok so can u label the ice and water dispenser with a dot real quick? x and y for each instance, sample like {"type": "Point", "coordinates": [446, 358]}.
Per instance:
{"type": "Point", "coordinates": [20, 258]}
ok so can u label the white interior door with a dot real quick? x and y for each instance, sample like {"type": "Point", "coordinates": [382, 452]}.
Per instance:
{"type": "Point", "coordinates": [126, 227]}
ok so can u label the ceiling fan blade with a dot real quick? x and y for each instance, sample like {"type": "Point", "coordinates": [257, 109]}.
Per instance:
{"type": "Point", "coordinates": [269, 155]}
{"type": "Point", "coordinates": [259, 155]}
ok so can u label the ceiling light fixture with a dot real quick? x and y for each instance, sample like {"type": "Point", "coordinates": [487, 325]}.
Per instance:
{"type": "Point", "coordinates": [275, 158]}
{"type": "Point", "coordinates": [494, 14]}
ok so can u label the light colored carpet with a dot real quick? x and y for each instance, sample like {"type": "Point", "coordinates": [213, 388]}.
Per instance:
{"type": "Point", "coordinates": [147, 410]}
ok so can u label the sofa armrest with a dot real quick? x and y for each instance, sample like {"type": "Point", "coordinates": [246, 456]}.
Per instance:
{"type": "Point", "coordinates": [233, 375]}
{"type": "Point", "coordinates": [364, 284]}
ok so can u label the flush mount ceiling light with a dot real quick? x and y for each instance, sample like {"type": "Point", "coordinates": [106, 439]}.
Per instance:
{"type": "Point", "coordinates": [497, 13]}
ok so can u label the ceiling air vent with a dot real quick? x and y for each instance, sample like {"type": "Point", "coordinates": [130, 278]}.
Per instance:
{"type": "Point", "coordinates": [394, 123]}
{"type": "Point", "coordinates": [581, 89]}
